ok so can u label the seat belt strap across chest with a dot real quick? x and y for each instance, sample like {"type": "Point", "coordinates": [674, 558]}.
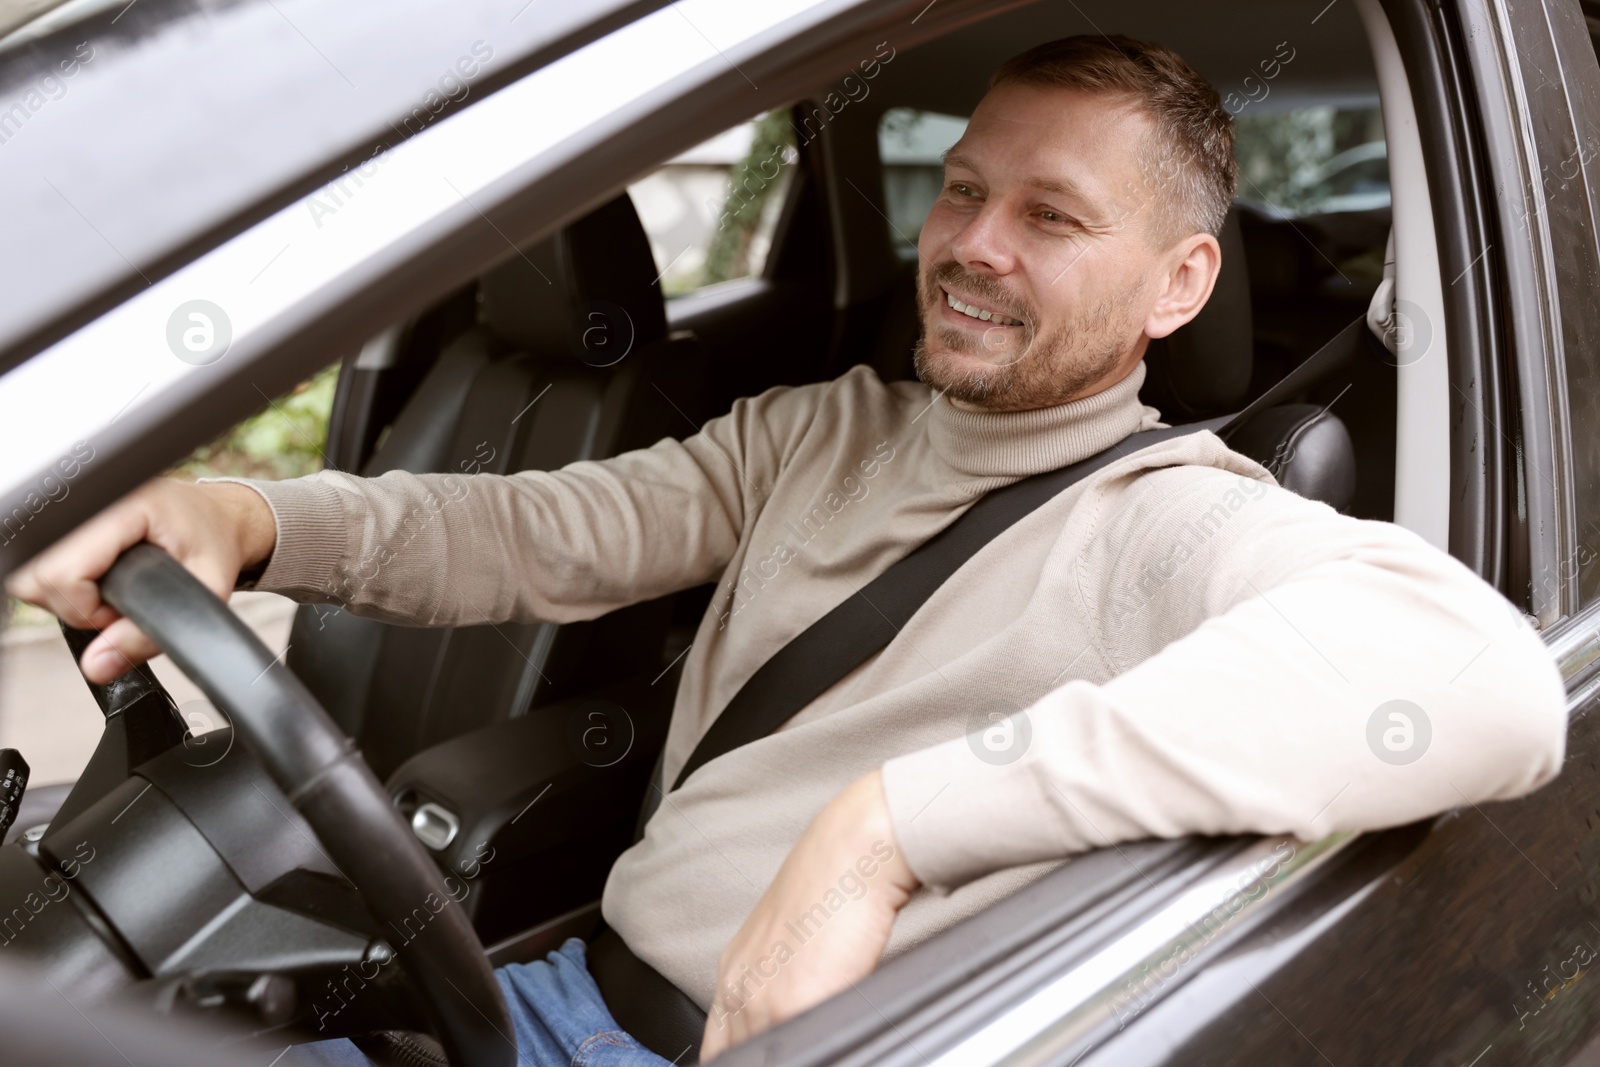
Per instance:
{"type": "Point", "coordinates": [850, 634]}
{"type": "Point", "coordinates": [867, 621]}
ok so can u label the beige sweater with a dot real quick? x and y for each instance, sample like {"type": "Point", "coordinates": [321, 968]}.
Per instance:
{"type": "Point", "coordinates": [1194, 649]}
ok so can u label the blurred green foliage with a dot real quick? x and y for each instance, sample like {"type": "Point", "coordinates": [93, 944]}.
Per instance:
{"type": "Point", "coordinates": [21, 614]}
{"type": "Point", "coordinates": [749, 191]}
{"type": "Point", "coordinates": [283, 440]}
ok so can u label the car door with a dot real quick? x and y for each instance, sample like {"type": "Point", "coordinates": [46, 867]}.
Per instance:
{"type": "Point", "coordinates": [1470, 943]}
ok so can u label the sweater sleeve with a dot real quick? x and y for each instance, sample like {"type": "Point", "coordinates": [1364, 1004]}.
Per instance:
{"type": "Point", "coordinates": [556, 546]}
{"type": "Point", "coordinates": [1304, 673]}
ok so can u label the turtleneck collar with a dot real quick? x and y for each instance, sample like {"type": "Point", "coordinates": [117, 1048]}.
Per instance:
{"type": "Point", "coordinates": [1014, 444]}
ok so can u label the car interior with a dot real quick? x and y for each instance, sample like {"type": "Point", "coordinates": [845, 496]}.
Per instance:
{"type": "Point", "coordinates": [518, 750]}
{"type": "Point", "coordinates": [430, 706]}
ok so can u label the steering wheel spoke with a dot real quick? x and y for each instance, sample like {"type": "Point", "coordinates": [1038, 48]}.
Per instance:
{"type": "Point", "coordinates": [325, 779]}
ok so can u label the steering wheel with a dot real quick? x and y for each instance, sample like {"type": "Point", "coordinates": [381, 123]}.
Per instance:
{"type": "Point", "coordinates": [324, 777]}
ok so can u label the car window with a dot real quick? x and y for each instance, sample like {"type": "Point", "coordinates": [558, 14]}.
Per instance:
{"type": "Point", "coordinates": [711, 212]}
{"type": "Point", "coordinates": [285, 439]}
{"type": "Point", "coordinates": [912, 144]}
{"type": "Point", "coordinates": [1312, 160]}
{"type": "Point", "coordinates": [1302, 161]}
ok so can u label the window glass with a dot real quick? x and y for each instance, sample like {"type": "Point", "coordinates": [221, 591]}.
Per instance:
{"type": "Point", "coordinates": [711, 212]}
{"type": "Point", "coordinates": [284, 439]}
{"type": "Point", "coordinates": [1305, 161]}
{"type": "Point", "coordinates": [1313, 160]}
{"type": "Point", "coordinates": [912, 146]}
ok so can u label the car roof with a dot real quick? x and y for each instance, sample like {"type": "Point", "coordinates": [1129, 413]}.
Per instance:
{"type": "Point", "coordinates": [1331, 59]}
{"type": "Point", "coordinates": [135, 137]}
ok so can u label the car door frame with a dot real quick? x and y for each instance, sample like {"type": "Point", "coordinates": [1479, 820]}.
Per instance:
{"type": "Point", "coordinates": [415, 265]}
{"type": "Point", "coordinates": [542, 199]}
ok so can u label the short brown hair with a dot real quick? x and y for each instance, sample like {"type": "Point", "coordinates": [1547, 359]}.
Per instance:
{"type": "Point", "coordinates": [1193, 133]}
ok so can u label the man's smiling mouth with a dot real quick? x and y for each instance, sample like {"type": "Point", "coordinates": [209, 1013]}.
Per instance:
{"type": "Point", "coordinates": [980, 313]}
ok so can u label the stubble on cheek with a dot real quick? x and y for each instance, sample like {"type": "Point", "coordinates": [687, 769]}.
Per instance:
{"type": "Point", "coordinates": [1032, 371]}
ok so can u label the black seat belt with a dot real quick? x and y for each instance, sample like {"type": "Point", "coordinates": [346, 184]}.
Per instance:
{"type": "Point", "coordinates": [869, 619]}
{"type": "Point", "coordinates": [834, 645]}
{"type": "Point", "coordinates": [646, 1004]}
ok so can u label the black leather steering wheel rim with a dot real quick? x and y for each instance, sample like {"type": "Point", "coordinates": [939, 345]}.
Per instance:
{"type": "Point", "coordinates": [324, 777]}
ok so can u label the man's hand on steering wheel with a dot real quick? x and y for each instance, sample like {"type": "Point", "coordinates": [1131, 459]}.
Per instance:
{"type": "Point", "coordinates": [215, 530]}
{"type": "Point", "coordinates": [839, 890]}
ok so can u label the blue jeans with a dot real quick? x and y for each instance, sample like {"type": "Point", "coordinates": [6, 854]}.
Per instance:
{"type": "Point", "coordinates": [556, 1009]}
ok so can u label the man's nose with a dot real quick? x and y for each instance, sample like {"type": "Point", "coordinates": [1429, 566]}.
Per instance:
{"type": "Point", "coordinates": [985, 244]}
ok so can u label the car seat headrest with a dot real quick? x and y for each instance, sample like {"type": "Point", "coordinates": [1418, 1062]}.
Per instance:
{"type": "Point", "coordinates": [585, 291]}
{"type": "Point", "coordinates": [1203, 367]}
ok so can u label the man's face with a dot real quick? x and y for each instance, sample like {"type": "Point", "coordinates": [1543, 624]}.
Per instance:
{"type": "Point", "coordinates": [1049, 228]}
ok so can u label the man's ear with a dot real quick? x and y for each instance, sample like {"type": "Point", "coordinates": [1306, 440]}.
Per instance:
{"type": "Point", "coordinates": [1195, 262]}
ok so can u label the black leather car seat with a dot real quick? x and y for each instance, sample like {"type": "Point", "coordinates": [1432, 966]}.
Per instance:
{"type": "Point", "coordinates": [1308, 449]}
{"type": "Point", "coordinates": [1203, 370]}
{"type": "Point", "coordinates": [570, 360]}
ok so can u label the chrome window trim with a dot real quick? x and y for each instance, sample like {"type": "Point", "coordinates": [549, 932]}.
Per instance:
{"type": "Point", "coordinates": [1576, 648]}
{"type": "Point", "coordinates": [1078, 1009]}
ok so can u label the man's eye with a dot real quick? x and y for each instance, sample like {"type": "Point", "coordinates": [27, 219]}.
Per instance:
{"type": "Point", "coordinates": [962, 189]}
{"type": "Point", "coordinates": [1053, 216]}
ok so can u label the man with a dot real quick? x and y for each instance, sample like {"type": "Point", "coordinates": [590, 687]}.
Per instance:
{"type": "Point", "coordinates": [1173, 645]}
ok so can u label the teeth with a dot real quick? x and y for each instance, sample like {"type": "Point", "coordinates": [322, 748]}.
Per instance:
{"type": "Point", "coordinates": [982, 315]}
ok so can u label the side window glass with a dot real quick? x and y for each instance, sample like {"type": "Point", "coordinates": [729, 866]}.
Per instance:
{"type": "Point", "coordinates": [284, 439]}
{"type": "Point", "coordinates": [1312, 160]}
{"type": "Point", "coordinates": [711, 212]}
{"type": "Point", "coordinates": [911, 145]}
{"type": "Point", "coordinates": [1304, 161]}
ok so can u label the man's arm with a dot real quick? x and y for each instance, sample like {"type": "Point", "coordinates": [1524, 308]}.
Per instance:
{"type": "Point", "coordinates": [1260, 718]}
{"type": "Point", "coordinates": [851, 835]}
{"type": "Point", "coordinates": [1277, 657]}
{"type": "Point", "coordinates": [555, 546]}
{"type": "Point", "coordinates": [442, 549]}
